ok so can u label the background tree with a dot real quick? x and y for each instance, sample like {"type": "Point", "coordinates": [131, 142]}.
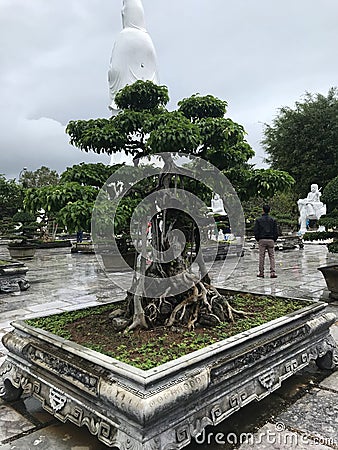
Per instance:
{"type": "Point", "coordinates": [69, 203]}
{"type": "Point", "coordinates": [11, 200]}
{"type": "Point", "coordinates": [283, 208]}
{"type": "Point", "coordinates": [89, 174]}
{"type": "Point", "coordinates": [39, 178]}
{"type": "Point", "coordinates": [11, 197]}
{"type": "Point", "coordinates": [330, 221]}
{"type": "Point", "coordinates": [304, 140]}
{"type": "Point", "coordinates": [198, 127]}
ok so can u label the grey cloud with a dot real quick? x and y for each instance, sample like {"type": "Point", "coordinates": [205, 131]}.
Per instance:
{"type": "Point", "coordinates": [54, 57]}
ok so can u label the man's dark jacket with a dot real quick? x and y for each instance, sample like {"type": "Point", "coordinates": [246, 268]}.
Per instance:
{"type": "Point", "coordinates": [266, 228]}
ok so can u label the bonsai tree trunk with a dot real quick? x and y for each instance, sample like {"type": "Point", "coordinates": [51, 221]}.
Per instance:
{"type": "Point", "coordinates": [167, 292]}
{"type": "Point", "coordinates": [139, 319]}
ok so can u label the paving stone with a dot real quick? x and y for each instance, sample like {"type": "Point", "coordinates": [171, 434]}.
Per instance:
{"type": "Point", "coordinates": [46, 308]}
{"type": "Point", "coordinates": [331, 383]}
{"type": "Point", "coordinates": [57, 437]}
{"type": "Point", "coordinates": [31, 408]}
{"type": "Point", "coordinates": [275, 436]}
{"type": "Point", "coordinates": [12, 423]}
{"type": "Point", "coordinates": [315, 414]}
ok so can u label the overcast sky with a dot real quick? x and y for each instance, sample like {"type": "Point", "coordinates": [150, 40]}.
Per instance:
{"type": "Point", "coordinates": [54, 57]}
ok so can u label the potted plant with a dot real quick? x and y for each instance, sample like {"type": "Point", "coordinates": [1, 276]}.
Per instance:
{"type": "Point", "coordinates": [22, 246]}
{"type": "Point", "coordinates": [330, 221]}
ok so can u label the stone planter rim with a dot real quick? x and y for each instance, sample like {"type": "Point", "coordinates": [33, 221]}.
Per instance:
{"type": "Point", "coordinates": [28, 246]}
{"type": "Point", "coordinates": [328, 266]}
{"type": "Point", "coordinates": [148, 377]}
{"type": "Point", "coordinates": [11, 263]}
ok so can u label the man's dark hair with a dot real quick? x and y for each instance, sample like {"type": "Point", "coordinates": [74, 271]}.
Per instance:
{"type": "Point", "coordinates": [266, 209]}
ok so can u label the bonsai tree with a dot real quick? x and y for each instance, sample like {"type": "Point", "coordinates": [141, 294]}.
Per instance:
{"type": "Point", "coordinates": [11, 201]}
{"type": "Point", "coordinates": [25, 227]}
{"type": "Point", "coordinates": [198, 128]}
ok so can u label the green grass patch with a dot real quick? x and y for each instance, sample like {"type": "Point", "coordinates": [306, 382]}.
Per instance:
{"type": "Point", "coordinates": [146, 349]}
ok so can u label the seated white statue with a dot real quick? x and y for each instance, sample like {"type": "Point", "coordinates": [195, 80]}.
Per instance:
{"type": "Point", "coordinates": [310, 207]}
{"type": "Point", "coordinates": [217, 206]}
{"type": "Point", "coordinates": [221, 236]}
{"type": "Point", "coordinates": [133, 56]}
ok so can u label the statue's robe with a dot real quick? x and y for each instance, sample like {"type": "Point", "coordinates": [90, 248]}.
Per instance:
{"type": "Point", "coordinates": [133, 56]}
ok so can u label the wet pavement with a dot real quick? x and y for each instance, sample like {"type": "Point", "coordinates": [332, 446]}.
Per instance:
{"type": "Point", "coordinates": [302, 413]}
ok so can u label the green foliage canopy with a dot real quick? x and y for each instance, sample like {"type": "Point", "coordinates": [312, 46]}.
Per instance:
{"type": "Point", "coordinates": [11, 197]}
{"type": "Point", "coordinates": [330, 220]}
{"type": "Point", "coordinates": [53, 198]}
{"type": "Point", "coordinates": [90, 174]}
{"type": "Point", "coordinates": [198, 127]}
{"type": "Point", "coordinates": [70, 203]}
{"type": "Point", "coordinates": [39, 178]}
{"type": "Point", "coordinates": [330, 197]}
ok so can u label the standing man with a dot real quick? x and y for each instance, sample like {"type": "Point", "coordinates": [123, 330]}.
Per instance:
{"type": "Point", "coordinates": [266, 234]}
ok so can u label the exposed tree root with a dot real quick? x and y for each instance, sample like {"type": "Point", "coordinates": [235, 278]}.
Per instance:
{"type": "Point", "coordinates": [201, 305]}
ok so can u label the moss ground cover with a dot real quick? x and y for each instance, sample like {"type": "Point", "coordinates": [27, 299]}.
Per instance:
{"type": "Point", "coordinates": [145, 349]}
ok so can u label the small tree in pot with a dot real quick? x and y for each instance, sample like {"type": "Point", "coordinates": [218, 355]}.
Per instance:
{"type": "Point", "coordinates": [27, 227]}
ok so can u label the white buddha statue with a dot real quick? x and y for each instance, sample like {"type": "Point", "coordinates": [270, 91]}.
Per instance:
{"type": "Point", "coordinates": [217, 206]}
{"type": "Point", "coordinates": [310, 207]}
{"type": "Point", "coordinates": [133, 56]}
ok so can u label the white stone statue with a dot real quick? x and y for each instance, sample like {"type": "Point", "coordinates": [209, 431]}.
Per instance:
{"type": "Point", "coordinates": [217, 206]}
{"type": "Point", "coordinates": [133, 56]}
{"type": "Point", "coordinates": [310, 207]}
{"type": "Point", "coordinates": [221, 236]}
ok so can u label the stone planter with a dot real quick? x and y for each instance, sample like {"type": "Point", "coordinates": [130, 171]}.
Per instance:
{"type": "Point", "coordinates": [224, 249]}
{"type": "Point", "coordinates": [166, 407]}
{"type": "Point", "coordinates": [284, 243]}
{"type": "Point", "coordinates": [118, 263]}
{"type": "Point", "coordinates": [54, 244]}
{"type": "Point", "coordinates": [289, 242]}
{"type": "Point", "coordinates": [22, 251]}
{"type": "Point", "coordinates": [83, 247]}
{"type": "Point", "coordinates": [13, 276]}
{"type": "Point", "coordinates": [330, 273]}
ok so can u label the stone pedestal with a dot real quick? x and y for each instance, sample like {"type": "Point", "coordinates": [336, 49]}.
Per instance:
{"type": "Point", "coordinates": [13, 276]}
{"type": "Point", "coordinates": [118, 262]}
{"type": "Point", "coordinates": [22, 252]}
{"type": "Point", "coordinates": [330, 273]}
{"type": "Point", "coordinates": [83, 247]}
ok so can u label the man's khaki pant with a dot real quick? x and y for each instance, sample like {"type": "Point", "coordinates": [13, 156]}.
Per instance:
{"type": "Point", "coordinates": [269, 246]}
